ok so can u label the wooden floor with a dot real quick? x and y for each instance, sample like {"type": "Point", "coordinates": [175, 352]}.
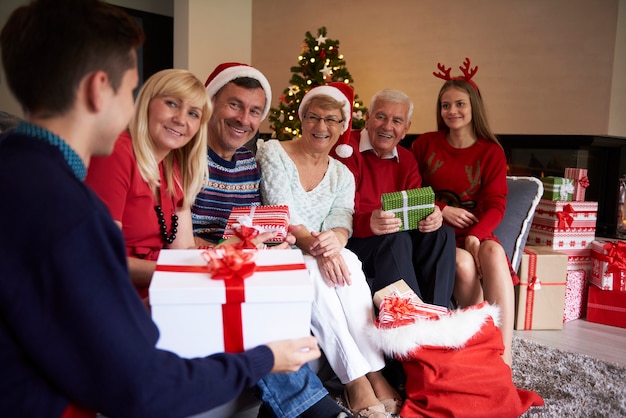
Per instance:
{"type": "Point", "coordinates": [579, 336]}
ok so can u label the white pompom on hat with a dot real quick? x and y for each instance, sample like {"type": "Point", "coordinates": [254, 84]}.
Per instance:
{"type": "Point", "coordinates": [341, 92]}
{"type": "Point", "coordinates": [228, 71]}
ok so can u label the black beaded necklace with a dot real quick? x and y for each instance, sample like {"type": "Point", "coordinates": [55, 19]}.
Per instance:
{"type": "Point", "coordinates": [168, 238]}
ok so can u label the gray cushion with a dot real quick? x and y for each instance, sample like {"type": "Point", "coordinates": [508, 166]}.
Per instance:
{"type": "Point", "coordinates": [522, 199]}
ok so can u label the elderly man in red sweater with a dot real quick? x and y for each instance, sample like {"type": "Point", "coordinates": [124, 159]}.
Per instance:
{"type": "Point", "coordinates": [424, 258]}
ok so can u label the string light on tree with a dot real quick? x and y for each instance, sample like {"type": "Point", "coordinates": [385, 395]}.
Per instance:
{"type": "Point", "coordinates": [319, 62]}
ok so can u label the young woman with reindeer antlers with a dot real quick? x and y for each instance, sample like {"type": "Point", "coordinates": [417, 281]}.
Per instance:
{"type": "Point", "coordinates": [466, 165]}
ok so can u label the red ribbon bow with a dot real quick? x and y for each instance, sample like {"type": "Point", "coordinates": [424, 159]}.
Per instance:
{"type": "Point", "coordinates": [246, 234]}
{"type": "Point", "coordinates": [229, 262]}
{"type": "Point", "coordinates": [583, 182]}
{"type": "Point", "coordinates": [615, 257]}
{"type": "Point", "coordinates": [565, 218]}
{"type": "Point", "coordinates": [396, 311]}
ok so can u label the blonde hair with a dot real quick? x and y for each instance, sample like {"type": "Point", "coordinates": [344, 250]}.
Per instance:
{"type": "Point", "coordinates": [192, 158]}
{"type": "Point", "coordinates": [479, 115]}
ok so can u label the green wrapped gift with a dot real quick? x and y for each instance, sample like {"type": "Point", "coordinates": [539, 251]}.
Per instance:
{"type": "Point", "coordinates": [410, 206]}
{"type": "Point", "coordinates": [557, 188]}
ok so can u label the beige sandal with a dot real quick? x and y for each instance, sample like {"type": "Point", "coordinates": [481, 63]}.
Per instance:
{"type": "Point", "coordinates": [392, 406]}
{"type": "Point", "coordinates": [375, 411]}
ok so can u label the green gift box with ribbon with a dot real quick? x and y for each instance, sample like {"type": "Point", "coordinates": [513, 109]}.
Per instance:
{"type": "Point", "coordinates": [410, 206]}
{"type": "Point", "coordinates": [558, 188]}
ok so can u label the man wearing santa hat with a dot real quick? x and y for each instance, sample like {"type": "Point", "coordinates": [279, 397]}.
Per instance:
{"type": "Point", "coordinates": [424, 258]}
{"type": "Point", "coordinates": [241, 98]}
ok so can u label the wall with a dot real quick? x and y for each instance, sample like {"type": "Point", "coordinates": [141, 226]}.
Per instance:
{"type": "Point", "coordinates": [545, 66]}
{"type": "Point", "coordinates": [7, 102]}
{"type": "Point", "coordinates": [209, 32]}
{"type": "Point", "coordinates": [617, 119]}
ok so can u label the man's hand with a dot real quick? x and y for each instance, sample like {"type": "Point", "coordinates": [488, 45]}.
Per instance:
{"type": "Point", "coordinates": [384, 222]}
{"type": "Point", "coordinates": [290, 355]}
{"type": "Point", "coordinates": [432, 222]}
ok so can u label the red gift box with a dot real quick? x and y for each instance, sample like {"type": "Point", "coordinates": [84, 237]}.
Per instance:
{"type": "Point", "coordinates": [575, 294]}
{"type": "Point", "coordinates": [606, 307]}
{"type": "Point", "coordinates": [608, 265]}
{"type": "Point", "coordinates": [581, 182]}
{"type": "Point", "coordinates": [271, 218]}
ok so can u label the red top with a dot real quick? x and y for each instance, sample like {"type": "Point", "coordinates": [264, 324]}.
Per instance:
{"type": "Point", "coordinates": [117, 181]}
{"type": "Point", "coordinates": [374, 176]}
{"type": "Point", "coordinates": [473, 178]}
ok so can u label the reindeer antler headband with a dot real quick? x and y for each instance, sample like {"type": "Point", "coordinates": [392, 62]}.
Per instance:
{"type": "Point", "coordinates": [468, 72]}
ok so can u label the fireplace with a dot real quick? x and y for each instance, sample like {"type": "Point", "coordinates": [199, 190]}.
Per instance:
{"type": "Point", "coordinates": [549, 155]}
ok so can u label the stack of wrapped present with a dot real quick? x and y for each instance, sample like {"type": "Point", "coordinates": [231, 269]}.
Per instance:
{"type": "Point", "coordinates": [606, 302]}
{"type": "Point", "coordinates": [565, 222]}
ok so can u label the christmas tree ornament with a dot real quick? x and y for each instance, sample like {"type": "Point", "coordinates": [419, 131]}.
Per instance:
{"type": "Point", "coordinates": [318, 64]}
{"type": "Point", "coordinates": [228, 71]}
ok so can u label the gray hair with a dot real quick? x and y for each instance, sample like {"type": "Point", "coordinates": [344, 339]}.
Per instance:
{"type": "Point", "coordinates": [393, 96]}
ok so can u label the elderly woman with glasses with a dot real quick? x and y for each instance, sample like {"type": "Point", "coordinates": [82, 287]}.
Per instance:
{"type": "Point", "coordinates": [319, 191]}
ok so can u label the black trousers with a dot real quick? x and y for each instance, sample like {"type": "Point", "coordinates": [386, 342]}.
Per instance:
{"type": "Point", "coordinates": [426, 262]}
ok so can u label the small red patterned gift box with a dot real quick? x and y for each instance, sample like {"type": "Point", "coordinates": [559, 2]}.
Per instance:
{"type": "Point", "coordinates": [581, 182]}
{"type": "Point", "coordinates": [608, 265]}
{"type": "Point", "coordinates": [273, 218]}
{"type": "Point", "coordinates": [575, 294]}
{"type": "Point", "coordinates": [606, 307]}
{"type": "Point", "coordinates": [399, 305]}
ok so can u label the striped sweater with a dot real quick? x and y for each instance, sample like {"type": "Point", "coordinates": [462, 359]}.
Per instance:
{"type": "Point", "coordinates": [231, 184]}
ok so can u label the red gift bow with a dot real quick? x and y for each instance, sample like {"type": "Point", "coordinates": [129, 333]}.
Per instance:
{"type": "Point", "coordinates": [400, 309]}
{"type": "Point", "coordinates": [583, 182]}
{"type": "Point", "coordinates": [229, 263]}
{"type": "Point", "coordinates": [397, 310]}
{"type": "Point", "coordinates": [246, 234]}
{"type": "Point", "coordinates": [566, 217]}
{"type": "Point", "coordinates": [616, 259]}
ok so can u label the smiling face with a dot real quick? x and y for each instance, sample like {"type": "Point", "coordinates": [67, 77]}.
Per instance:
{"type": "Point", "coordinates": [321, 127]}
{"type": "Point", "coordinates": [456, 109]}
{"type": "Point", "coordinates": [237, 114]}
{"type": "Point", "coordinates": [387, 124]}
{"type": "Point", "coordinates": [172, 123]}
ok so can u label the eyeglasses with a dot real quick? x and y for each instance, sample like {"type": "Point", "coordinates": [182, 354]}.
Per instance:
{"type": "Point", "coordinates": [313, 119]}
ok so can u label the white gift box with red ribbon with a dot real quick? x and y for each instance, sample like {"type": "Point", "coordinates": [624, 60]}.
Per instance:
{"type": "Point", "coordinates": [198, 315]}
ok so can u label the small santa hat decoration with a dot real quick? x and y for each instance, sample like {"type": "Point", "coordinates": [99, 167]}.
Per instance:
{"type": "Point", "coordinates": [228, 71]}
{"type": "Point", "coordinates": [341, 92]}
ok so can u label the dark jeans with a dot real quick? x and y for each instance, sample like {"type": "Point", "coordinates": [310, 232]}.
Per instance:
{"type": "Point", "coordinates": [426, 262]}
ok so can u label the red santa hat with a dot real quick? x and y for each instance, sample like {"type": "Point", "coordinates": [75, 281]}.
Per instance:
{"type": "Point", "coordinates": [341, 92]}
{"type": "Point", "coordinates": [228, 71]}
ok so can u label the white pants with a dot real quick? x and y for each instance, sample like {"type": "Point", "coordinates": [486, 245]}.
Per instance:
{"type": "Point", "coordinates": [339, 318]}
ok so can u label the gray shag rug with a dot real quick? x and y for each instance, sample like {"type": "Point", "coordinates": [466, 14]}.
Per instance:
{"type": "Point", "coordinates": [572, 385]}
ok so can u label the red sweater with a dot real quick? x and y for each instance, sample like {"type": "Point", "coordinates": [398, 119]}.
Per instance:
{"type": "Point", "coordinates": [473, 178]}
{"type": "Point", "coordinates": [374, 176]}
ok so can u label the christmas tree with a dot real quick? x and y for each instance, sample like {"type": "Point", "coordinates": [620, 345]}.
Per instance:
{"type": "Point", "coordinates": [319, 63]}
